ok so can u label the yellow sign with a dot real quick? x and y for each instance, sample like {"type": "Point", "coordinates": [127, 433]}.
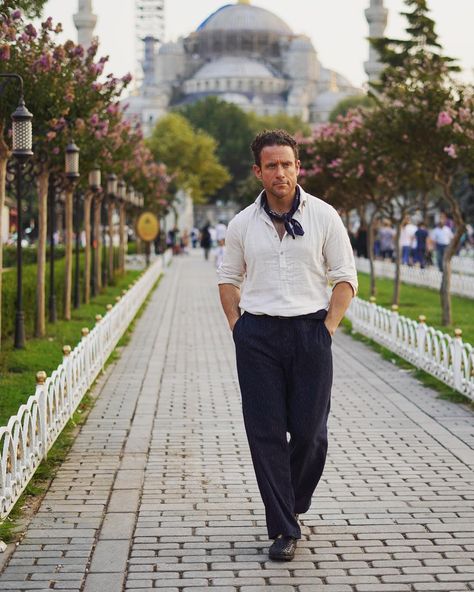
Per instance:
{"type": "Point", "coordinates": [148, 226]}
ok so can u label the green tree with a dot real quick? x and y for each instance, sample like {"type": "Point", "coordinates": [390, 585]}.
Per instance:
{"type": "Point", "coordinates": [30, 8]}
{"type": "Point", "coordinates": [349, 103]}
{"type": "Point", "coordinates": [427, 120]}
{"type": "Point", "coordinates": [232, 130]}
{"type": "Point", "coordinates": [190, 156]}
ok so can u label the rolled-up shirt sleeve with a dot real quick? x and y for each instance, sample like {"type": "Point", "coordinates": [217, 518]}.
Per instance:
{"type": "Point", "coordinates": [232, 269]}
{"type": "Point", "coordinates": [339, 256]}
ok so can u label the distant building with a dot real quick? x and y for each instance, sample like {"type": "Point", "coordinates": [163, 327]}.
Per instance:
{"type": "Point", "coordinates": [245, 55]}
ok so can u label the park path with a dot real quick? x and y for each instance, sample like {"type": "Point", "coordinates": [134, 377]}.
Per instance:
{"type": "Point", "coordinates": [158, 490]}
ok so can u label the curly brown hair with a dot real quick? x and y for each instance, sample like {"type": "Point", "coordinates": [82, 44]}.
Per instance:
{"type": "Point", "coordinates": [275, 137]}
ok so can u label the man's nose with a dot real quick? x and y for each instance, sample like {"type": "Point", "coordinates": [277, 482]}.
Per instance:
{"type": "Point", "coordinates": [280, 171]}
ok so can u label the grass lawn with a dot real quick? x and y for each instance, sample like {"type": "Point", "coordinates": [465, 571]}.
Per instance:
{"type": "Point", "coordinates": [415, 301]}
{"type": "Point", "coordinates": [18, 368]}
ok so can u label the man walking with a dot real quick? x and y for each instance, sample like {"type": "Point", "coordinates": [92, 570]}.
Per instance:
{"type": "Point", "coordinates": [282, 250]}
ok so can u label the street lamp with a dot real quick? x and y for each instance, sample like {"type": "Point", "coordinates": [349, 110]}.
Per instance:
{"type": "Point", "coordinates": [22, 143]}
{"type": "Point", "coordinates": [72, 174]}
{"type": "Point", "coordinates": [95, 179]}
{"type": "Point", "coordinates": [112, 185]}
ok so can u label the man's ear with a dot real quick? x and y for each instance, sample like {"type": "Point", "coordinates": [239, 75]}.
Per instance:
{"type": "Point", "coordinates": [298, 166]}
{"type": "Point", "coordinates": [257, 171]}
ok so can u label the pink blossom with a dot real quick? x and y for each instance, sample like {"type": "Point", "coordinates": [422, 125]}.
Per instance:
{"type": "Point", "coordinates": [97, 68]}
{"type": "Point", "coordinates": [16, 15]}
{"type": "Point", "coordinates": [127, 78]}
{"type": "Point", "coordinates": [360, 171]}
{"type": "Point", "coordinates": [464, 114]}
{"type": "Point", "coordinates": [444, 118]}
{"type": "Point", "coordinates": [451, 151]}
{"type": "Point", "coordinates": [55, 150]}
{"type": "Point", "coordinates": [94, 119]}
{"type": "Point", "coordinates": [335, 163]}
{"type": "Point", "coordinates": [31, 31]}
{"type": "Point", "coordinates": [78, 51]}
{"type": "Point", "coordinates": [48, 24]}
{"type": "Point", "coordinates": [5, 53]}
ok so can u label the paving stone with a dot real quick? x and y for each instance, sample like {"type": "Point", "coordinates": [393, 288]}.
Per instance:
{"type": "Point", "coordinates": [158, 490]}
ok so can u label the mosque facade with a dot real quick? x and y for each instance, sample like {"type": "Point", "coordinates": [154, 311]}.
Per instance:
{"type": "Point", "coordinates": [244, 55]}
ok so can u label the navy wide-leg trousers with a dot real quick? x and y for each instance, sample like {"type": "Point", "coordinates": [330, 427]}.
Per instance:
{"type": "Point", "coordinates": [285, 374]}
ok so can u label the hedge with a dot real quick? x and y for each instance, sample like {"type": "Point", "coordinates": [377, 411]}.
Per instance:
{"type": "Point", "coordinates": [29, 294]}
{"type": "Point", "coordinates": [29, 255]}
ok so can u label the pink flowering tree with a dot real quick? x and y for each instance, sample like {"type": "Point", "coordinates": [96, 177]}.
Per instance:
{"type": "Point", "coordinates": [340, 164]}
{"type": "Point", "coordinates": [429, 121]}
{"type": "Point", "coordinates": [48, 80]}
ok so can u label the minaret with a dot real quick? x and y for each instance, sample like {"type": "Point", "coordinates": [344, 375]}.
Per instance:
{"type": "Point", "coordinates": [85, 21]}
{"type": "Point", "coordinates": [376, 16]}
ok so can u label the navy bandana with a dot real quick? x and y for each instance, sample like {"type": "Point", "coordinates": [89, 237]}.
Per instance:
{"type": "Point", "coordinates": [292, 226]}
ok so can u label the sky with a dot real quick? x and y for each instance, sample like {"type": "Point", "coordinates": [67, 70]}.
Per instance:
{"type": "Point", "coordinates": [337, 28]}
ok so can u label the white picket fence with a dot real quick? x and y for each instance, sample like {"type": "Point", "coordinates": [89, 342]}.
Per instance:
{"type": "Point", "coordinates": [463, 264]}
{"type": "Point", "coordinates": [447, 358]}
{"type": "Point", "coordinates": [29, 434]}
{"type": "Point", "coordinates": [429, 277]}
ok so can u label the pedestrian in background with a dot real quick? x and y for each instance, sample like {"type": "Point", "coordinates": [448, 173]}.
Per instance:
{"type": "Point", "coordinates": [441, 235]}
{"type": "Point", "coordinates": [206, 240]}
{"type": "Point", "coordinates": [286, 246]}
{"type": "Point", "coordinates": [386, 236]}
{"type": "Point", "coordinates": [221, 230]}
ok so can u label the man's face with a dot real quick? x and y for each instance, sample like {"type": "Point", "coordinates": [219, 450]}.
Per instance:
{"type": "Point", "coordinates": [278, 171]}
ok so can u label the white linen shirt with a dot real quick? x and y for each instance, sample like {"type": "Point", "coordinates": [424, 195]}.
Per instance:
{"type": "Point", "coordinates": [288, 277]}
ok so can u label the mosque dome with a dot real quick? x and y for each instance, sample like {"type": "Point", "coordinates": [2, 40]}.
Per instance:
{"type": "Point", "coordinates": [244, 17]}
{"type": "Point", "coordinates": [234, 67]}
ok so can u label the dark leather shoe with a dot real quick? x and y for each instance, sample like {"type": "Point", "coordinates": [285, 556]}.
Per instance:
{"type": "Point", "coordinates": [283, 549]}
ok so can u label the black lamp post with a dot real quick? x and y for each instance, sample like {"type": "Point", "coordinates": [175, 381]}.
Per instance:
{"type": "Point", "coordinates": [95, 179]}
{"type": "Point", "coordinates": [55, 185]}
{"type": "Point", "coordinates": [72, 174]}
{"type": "Point", "coordinates": [22, 143]}
{"type": "Point", "coordinates": [111, 192]}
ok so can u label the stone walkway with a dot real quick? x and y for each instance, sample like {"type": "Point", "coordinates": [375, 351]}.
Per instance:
{"type": "Point", "coordinates": [158, 490]}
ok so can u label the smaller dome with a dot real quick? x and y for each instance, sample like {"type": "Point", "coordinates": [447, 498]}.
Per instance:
{"type": "Point", "coordinates": [233, 67]}
{"type": "Point", "coordinates": [302, 43]}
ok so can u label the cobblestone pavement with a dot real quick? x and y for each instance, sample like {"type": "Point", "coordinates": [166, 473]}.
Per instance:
{"type": "Point", "coordinates": [158, 490]}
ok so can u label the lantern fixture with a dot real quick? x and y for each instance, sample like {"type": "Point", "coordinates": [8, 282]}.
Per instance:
{"type": "Point", "coordinates": [72, 161]}
{"type": "Point", "coordinates": [112, 184]}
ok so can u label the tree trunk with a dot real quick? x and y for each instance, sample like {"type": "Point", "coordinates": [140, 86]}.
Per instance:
{"type": "Point", "coordinates": [445, 289]}
{"type": "Point", "coordinates": [122, 239]}
{"type": "Point", "coordinates": [43, 183]}
{"type": "Point", "coordinates": [370, 248]}
{"type": "Point", "coordinates": [397, 278]}
{"type": "Point", "coordinates": [97, 247]}
{"type": "Point", "coordinates": [87, 251]}
{"type": "Point", "coordinates": [68, 213]}
{"type": "Point", "coordinates": [110, 213]}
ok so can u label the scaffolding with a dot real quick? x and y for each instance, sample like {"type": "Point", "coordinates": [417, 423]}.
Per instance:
{"type": "Point", "coordinates": [149, 24]}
